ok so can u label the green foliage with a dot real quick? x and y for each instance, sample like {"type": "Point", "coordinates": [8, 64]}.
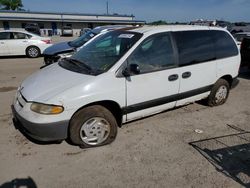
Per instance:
{"type": "Point", "coordinates": [159, 22]}
{"type": "Point", "coordinates": [11, 4]}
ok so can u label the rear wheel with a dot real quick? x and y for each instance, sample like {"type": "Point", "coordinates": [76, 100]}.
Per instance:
{"type": "Point", "coordinates": [219, 93]}
{"type": "Point", "coordinates": [93, 126]}
{"type": "Point", "coordinates": [33, 52]}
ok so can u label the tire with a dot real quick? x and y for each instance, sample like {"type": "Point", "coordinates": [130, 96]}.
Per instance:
{"type": "Point", "coordinates": [219, 93]}
{"type": "Point", "coordinates": [33, 52]}
{"type": "Point", "coordinates": [93, 122]}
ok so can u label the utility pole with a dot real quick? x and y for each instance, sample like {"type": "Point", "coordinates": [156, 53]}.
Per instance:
{"type": "Point", "coordinates": [107, 8]}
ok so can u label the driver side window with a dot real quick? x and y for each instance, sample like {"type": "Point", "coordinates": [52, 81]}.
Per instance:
{"type": "Point", "coordinates": [153, 54]}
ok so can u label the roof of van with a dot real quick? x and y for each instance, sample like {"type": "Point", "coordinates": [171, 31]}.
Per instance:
{"type": "Point", "coordinates": [156, 29]}
{"type": "Point", "coordinates": [99, 29]}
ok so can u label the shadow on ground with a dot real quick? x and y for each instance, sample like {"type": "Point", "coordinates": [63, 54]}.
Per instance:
{"type": "Point", "coordinates": [20, 183]}
{"type": "Point", "coordinates": [229, 154]}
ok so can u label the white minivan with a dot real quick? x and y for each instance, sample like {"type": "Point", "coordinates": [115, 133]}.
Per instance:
{"type": "Point", "coordinates": [125, 75]}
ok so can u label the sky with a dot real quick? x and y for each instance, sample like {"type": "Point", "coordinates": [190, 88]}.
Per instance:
{"type": "Point", "coordinates": [152, 10]}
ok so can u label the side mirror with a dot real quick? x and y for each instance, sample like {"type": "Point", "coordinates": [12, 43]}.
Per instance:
{"type": "Point", "coordinates": [126, 72]}
{"type": "Point", "coordinates": [134, 68]}
{"type": "Point", "coordinates": [131, 70]}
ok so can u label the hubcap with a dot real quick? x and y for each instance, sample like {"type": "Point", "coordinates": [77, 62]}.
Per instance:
{"type": "Point", "coordinates": [33, 52]}
{"type": "Point", "coordinates": [95, 131]}
{"type": "Point", "coordinates": [221, 94]}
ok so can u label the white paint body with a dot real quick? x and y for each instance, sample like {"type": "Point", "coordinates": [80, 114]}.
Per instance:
{"type": "Point", "coordinates": [11, 47]}
{"type": "Point", "coordinates": [56, 85]}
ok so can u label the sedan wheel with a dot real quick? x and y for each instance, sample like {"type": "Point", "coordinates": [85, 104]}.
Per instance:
{"type": "Point", "coordinates": [33, 52]}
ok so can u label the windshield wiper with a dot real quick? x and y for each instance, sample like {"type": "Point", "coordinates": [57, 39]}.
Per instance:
{"type": "Point", "coordinates": [79, 64]}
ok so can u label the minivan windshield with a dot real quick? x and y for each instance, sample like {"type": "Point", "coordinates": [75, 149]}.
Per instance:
{"type": "Point", "coordinates": [82, 39]}
{"type": "Point", "coordinates": [102, 53]}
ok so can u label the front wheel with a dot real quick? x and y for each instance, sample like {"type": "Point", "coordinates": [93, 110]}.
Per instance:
{"type": "Point", "coordinates": [33, 52]}
{"type": "Point", "coordinates": [93, 126]}
{"type": "Point", "coordinates": [219, 93]}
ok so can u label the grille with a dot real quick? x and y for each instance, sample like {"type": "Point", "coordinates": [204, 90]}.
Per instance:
{"type": "Point", "coordinates": [21, 100]}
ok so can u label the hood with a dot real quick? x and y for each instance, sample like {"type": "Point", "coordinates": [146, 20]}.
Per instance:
{"type": "Point", "coordinates": [51, 81]}
{"type": "Point", "coordinates": [58, 48]}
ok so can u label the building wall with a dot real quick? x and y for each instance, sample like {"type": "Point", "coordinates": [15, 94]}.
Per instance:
{"type": "Point", "coordinates": [59, 16]}
{"type": "Point", "coordinates": [45, 26]}
{"type": "Point", "coordinates": [53, 22]}
{"type": "Point", "coordinates": [16, 25]}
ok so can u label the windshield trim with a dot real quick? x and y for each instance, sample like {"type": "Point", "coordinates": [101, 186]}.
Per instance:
{"type": "Point", "coordinates": [101, 64]}
{"type": "Point", "coordinates": [84, 36]}
{"type": "Point", "coordinates": [69, 63]}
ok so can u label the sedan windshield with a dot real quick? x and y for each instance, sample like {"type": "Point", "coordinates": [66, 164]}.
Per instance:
{"type": "Point", "coordinates": [103, 52]}
{"type": "Point", "coordinates": [82, 39]}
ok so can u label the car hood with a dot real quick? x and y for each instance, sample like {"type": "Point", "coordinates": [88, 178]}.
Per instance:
{"type": "Point", "coordinates": [58, 48]}
{"type": "Point", "coordinates": [51, 81]}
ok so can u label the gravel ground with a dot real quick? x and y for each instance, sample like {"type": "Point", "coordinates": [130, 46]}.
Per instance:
{"type": "Point", "coordinates": [192, 146]}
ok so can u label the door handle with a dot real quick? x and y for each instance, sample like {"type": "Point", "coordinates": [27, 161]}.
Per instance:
{"type": "Point", "coordinates": [25, 41]}
{"type": "Point", "coordinates": [173, 77]}
{"type": "Point", "coordinates": [2, 42]}
{"type": "Point", "coordinates": [186, 75]}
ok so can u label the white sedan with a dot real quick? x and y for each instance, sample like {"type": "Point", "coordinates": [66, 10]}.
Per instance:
{"type": "Point", "coordinates": [22, 43]}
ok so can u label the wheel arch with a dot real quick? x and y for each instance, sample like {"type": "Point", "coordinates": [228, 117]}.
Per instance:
{"type": "Point", "coordinates": [112, 106]}
{"type": "Point", "coordinates": [32, 45]}
{"type": "Point", "coordinates": [228, 78]}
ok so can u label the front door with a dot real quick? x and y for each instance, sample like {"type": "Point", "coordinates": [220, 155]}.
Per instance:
{"type": "Point", "coordinates": [152, 88]}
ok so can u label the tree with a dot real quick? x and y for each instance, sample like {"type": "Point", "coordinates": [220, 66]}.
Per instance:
{"type": "Point", "coordinates": [159, 22]}
{"type": "Point", "coordinates": [11, 4]}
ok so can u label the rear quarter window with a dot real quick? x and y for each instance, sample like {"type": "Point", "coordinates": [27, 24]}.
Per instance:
{"type": "Point", "coordinates": [224, 45]}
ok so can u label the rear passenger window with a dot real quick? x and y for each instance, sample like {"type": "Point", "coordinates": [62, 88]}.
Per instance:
{"type": "Point", "coordinates": [19, 35]}
{"type": "Point", "coordinates": [224, 45]}
{"type": "Point", "coordinates": [153, 54]}
{"type": "Point", "coordinates": [194, 47]}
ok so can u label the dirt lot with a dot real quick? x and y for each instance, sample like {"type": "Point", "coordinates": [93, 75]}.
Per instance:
{"type": "Point", "coordinates": [192, 146]}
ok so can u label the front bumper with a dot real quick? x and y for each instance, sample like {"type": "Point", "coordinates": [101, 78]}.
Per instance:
{"type": "Point", "coordinates": [41, 132]}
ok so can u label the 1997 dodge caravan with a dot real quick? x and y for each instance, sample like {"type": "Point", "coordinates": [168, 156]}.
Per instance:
{"type": "Point", "coordinates": [124, 75]}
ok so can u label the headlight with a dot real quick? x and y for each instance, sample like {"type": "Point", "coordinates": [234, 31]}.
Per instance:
{"type": "Point", "coordinates": [46, 108]}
